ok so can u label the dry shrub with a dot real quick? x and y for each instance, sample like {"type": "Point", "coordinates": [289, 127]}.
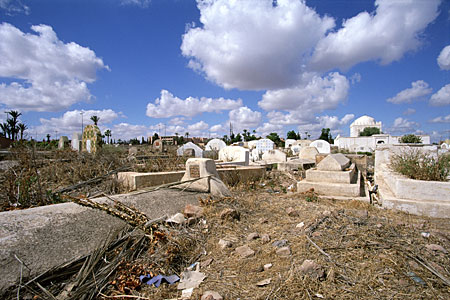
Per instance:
{"type": "Point", "coordinates": [421, 166]}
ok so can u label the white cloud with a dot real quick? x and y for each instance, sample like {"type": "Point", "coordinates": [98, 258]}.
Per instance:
{"type": "Point", "coordinates": [51, 75]}
{"type": "Point", "coordinates": [125, 131]}
{"type": "Point", "coordinates": [355, 78]}
{"type": "Point", "coordinates": [268, 128]}
{"type": "Point", "coordinates": [198, 129]}
{"type": "Point", "coordinates": [418, 90]}
{"type": "Point", "coordinates": [13, 7]}
{"type": "Point", "coordinates": [253, 44]}
{"type": "Point", "coordinates": [441, 97]}
{"type": "Point", "coordinates": [71, 121]}
{"type": "Point", "coordinates": [140, 3]}
{"type": "Point", "coordinates": [444, 119]}
{"type": "Point", "coordinates": [177, 121]}
{"type": "Point", "coordinates": [443, 59]}
{"type": "Point", "coordinates": [314, 128]}
{"type": "Point", "coordinates": [384, 36]}
{"type": "Point", "coordinates": [404, 125]}
{"type": "Point", "coordinates": [217, 128]}
{"type": "Point", "coordinates": [409, 111]}
{"type": "Point", "coordinates": [244, 118]}
{"type": "Point", "coordinates": [168, 106]}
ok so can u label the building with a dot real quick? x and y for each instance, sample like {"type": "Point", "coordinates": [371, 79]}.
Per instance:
{"type": "Point", "coordinates": [363, 122]}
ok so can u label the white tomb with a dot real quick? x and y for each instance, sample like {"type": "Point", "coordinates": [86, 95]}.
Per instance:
{"type": "Point", "coordinates": [215, 145]}
{"type": "Point", "coordinates": [308, 153]}
{"type": "Point", "coordinates": [189, 145]}
{"type": "Point", "coordinates": [63, 142]}
{"type": "Point", "coordinates": [264, 145]}
{"type": "Point", "coordinates": [289, 143]}
{"type": "Point", "coordinates": [274, 156]}
{"type": "Point", "coordinates": [296, 149]}
{"type": "Point", "coordinates": [76, 141]}
{"type": "Point", "coordinates": [235, 155]}
{"type": "Point", "coordinates": [322, 146]}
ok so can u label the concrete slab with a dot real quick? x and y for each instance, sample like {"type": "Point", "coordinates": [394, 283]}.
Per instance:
{"type": "Point", "coordinates": [347, 177]}
{"type": "Point", "coordinates": [332, 189]}
{"type": "Point", "coordinates": [308, 152]}
{"type": "Point", "coordinates": [334, 162]}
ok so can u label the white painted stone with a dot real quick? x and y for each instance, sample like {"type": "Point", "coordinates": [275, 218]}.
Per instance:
{"type": "Point", "coordinates": [198, 151]}
{"type": "Point", "coordinates": [289, 142]}
{"type": "Point", "coordinates": [274, 156]}
{"type": "Point", "coordinates": [296, 149]}
{"type": "Point", "coordinates": [76, 141]}
{"type": "Point", "coordinates": [255, 155]}
{"type": "Point", "coordinates": [445, 146]}
{"type": "Point", "coordinates": [202, 168]}
{"type": "Point", "coordinates": [235, 154]}
{"type": "Point", "coordinates": [88, 146]}
{"type": "Point", "coordinates": [63, 142]}
{"type": "Point", "coordinates": [215, 145]}
{"type": "Point", "coordinates": [334, 162]}
{"type": "Point", "coordinates": [264, 145]}
{"type": "Point", "coordinates": [322, 146]}
{"type": "Point", "coordinates": [308, 152]}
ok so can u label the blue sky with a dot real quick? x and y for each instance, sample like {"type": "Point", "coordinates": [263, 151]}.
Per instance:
{"type": "Point", "coordinates": [180, 66]}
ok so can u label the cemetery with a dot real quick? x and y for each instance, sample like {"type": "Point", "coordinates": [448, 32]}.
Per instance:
{"type": "Point", "coordinates": [249, 206]}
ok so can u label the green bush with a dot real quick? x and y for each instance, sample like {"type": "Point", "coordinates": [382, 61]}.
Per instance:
{"type": "Point", "coordinates": [421, 166]}
{"type": "Point", "coordinates": [411, 139]}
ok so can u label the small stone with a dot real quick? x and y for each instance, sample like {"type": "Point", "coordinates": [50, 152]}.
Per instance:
{"type": "Point", "coordinates": [264, 282]}
{"type": "Point", "coordinates": [252, 236]}
{"type": "Point", "coordinates": [300, 225]}
{"type": "Point", "coordinates": [230, 214]}
{"type": "Point", "coordinates": [223, 244]}
{"type": "Point", "coordinates": [193, 211]}
{"type": "Point", "coordinates": [244, 251]}
{"type": "Point", "coordinates": [211, 295]}
{"type": "Point", "coordinates": [292, 212]}
{"type": "Point", "coordinates": [425, 234]}
{"type": "Point", "coordinates": [258, 269]}
{"type": "Point", "coordinates": [413, 264]}
{"type": "Point", "coordinates": [283, 251]}
{"type": "Point", "coordinates": [280, 243]}
{"type": "Point", "coordinates": [265, 238]}
{"type": "Point", "coordinates": [312, 269]}
{"type": "Point", "coordinates": [191, 221]}
{"type": "Point", "coordinates": [326, 213]}
{"type": "Point", "coordinates": [267, 267]}
{"type": "Point", "coordinates": [379, 225]}
{"type": "Point", "coordinates": [177, 218]}
{"type": "Point", "coordinates": [205, 263]}
{"type": "Point", "coordinates": [316, 234]}
{"type": "Point", "coordinates": [435, 247]}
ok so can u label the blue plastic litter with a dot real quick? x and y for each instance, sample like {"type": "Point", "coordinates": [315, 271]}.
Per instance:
{"type": "Point", "coordinates": [416, 278]}
{"type": "Point", "coordinates": [158, 279]}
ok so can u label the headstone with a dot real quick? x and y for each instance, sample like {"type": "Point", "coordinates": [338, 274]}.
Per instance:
{"type": "Point", "coordinates": [308, 153]}
{"type": "Point", "coordinates": [215, 145]}
{"type": "Point", "coordinates": [92, 138]}
{"type": "Point", "coordinates": [158, 145]}
{"type": "Point", "coordinates": [264, 145]}
{"type": "Point", "coordinates": [189, 152]}
{"type": "Point", "coordinates": [235, 154]}
{"type": "Point", "coordinates": [445, 146]}
{"type": "Point", "coordinates": [296, 149]}
{"type": "Point", "coordinates": [76, 141]}
{"type": "Point", "coordinates": [133, 151]}
{"type": "Point", "coordinates": [198, 152]}
{"type": "Point", "coordinates": [63, 142]}
{"type": "Point", "coordinates": [289, 142]}
{"type": "Point", "coordinates": [274, 156]}
{"type": "Point", "coordinates": [322, 146]}
{"type": "Point", "coordinates": [334, 162]}
{"type": "Point", "coordinates": [255, 155]}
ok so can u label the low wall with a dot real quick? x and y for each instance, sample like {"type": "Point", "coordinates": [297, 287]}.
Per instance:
{"type": "Point", "coordinates": [45, 237]}
{"type": "Point", "coordinates": [348, 177]}
{"type": "Point", "coordinates": [429, 198]}
{"type": "Point", "coordinates": [332, 189]}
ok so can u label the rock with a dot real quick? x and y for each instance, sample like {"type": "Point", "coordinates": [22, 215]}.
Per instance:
{"type": "Point", "coordinates": [283, 251]}
{"type": "Point", "coordinates": [252, 236]}
{"type": "Point", "coordinates": [379, 225]}
{"type": "Point", "coordinates": [312, 269]}
{"type": "Point", "coordinates": [205, 263]}
{"type": "Point", "coordinates": [244, 251]}
{"type": "Point", "coordinates": [326, 213]}
{"type": "Point", "coordinates": [223, 244]}
{"type": "Point", "coordinates": [191, 221]}
{"type": "Point", "coordinates": [265, 238]}
{"type": "Point", "coordinates": [258, 269]}
{"type": "Point", "coordinates": [316, 234]}
{"type": "Point", "coordinates": [280, 243]}
{"type": "Point", "coordinates": [264, 282]}
{"type": "Point", "coordinates": [413, 264]}
{"type": "Point", "coordinates": [230, 214]}
{"type": "Point", "coordinates": [435, 247]}
{"type": "Point", "coordinates": [425, 234]}
{"type": "Point", "coordinates": [193, 211]}
{"type": "Point", "coordinates": [267, 267]}
{"type": "Point", "coordinates": [292, 212]}
{"type": "Point", "coordinates": [211, 295]}
{"type": "Point", "coordinates": [300, 225]}
{"type": "Point", "coordinates": [177, 218]}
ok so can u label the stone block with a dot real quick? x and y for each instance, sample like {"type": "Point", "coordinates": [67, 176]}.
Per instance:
{"type": "Point", "coordinates": [63, 142]}
{"type": "Point", "coordinates": [308, 152]}
{"type": "Point", "coordinates": [274, 156]}
{"type": "Point", "coordinates": [334, 162]}
{"type": "Point", "coordinates": [322, 146]}
{"type": "Point", "coordinates": [215, 145]}
{"type": "Point", "coordinates": [349, 176]}
{"type": "Point", "coordinates": [235, 154]}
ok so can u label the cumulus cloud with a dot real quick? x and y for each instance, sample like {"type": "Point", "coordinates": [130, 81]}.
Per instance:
{"type": "Point", "coordinates": [409, 111]}
{"type": "Point", "coordinates": [140, 3]}
{"type": "Point", "coordinates": [12, 7]}
{"type": "Point", "coordinates": [217, 128]}
{"type": "Point", "coordinates": [167, 105]}
{"type": "Point", "coordinates": [385, 35]}
{"type": "Point", "coordinates": [404, 125]}
{"type": "Point", "coordinates": [441, 97]}
{"type": "Point", "coordinates": [244, 118]}
{"type": "Point", "coordinates": [443, 59]}
{"type": "Point", "coordinates": [443, 119]}
{"type": "Point", "coordinates": [268, 128]}
{"type": "Point", "coordinates": [71, 121]}
{"type": "Point", "coordinates": [47, 74]}
{"type": "Point", "coordinates": [314, 128]}
{"type": "Point", "coordinates": [253, 44]}
{"type": "Point", "coordinates": [418, 90]}
{"type": "Point", "coordinates": [126, 131]}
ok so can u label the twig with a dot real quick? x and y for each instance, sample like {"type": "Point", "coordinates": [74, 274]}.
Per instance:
{"type": "Point", "coordinates": [46, 292]}
{"type": "Point", "coordinates": [20, 280]}
{"type": "Point", "coordinates": [124, 296]}
{"type": "Point", "coordinates": [166, 185]}
{"type": "Point", "coordinates": [431, 269]}
{"type": "Point", "coordinates": [318, 248]}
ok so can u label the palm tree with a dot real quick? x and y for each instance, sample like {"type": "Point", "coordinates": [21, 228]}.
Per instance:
{"type": "Point", "coordinates": [22, 127]}
{"type": "Point", "coordinates": [48, 137]}
{"type": "Point", "coordinates": [13, 123]}
{"type": "Point", "coordinates": [187, 135]}
{"type": "Point", "coordinates": [5, 128]}
{"type": "Point", "coordinates": [95, 119]}
{"type": "Point", "coordinates": [107, 134]}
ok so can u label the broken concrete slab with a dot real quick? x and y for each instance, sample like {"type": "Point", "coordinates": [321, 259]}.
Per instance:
{"type": "Point", "coordinates": [244, 251]}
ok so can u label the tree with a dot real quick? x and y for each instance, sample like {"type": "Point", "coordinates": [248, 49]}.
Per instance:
{"type": "Point", "coordinates": [22, 127]}
{"type": "Point", "coordinates": [369, 131]}
{"type": "Point", "coordinates": [108, 135]}
{"type": "Point", "coordinates": [411, 139]}
{"type": "Point", "coordinates": [326, 135]}
{"type": "Point", "coordinates": [14, 114]}
{"type": "Point", "coordinates": [274, 137]}
{"type": "Point", "coordinates": [237, 138]}
{"type": "Point", "coordinates": [5, 128]}
{"type": "Point", "coordinates": [226, 139]}
{"type": "Point", "coordinates": [247, 137]}
{"type": "Point", "coordinates": [95, 119]}
{"type": "Point", "coordinates": [155, 137]}
{"type": "Point", "coordinates": [292, 135]}
{"type": "Point", "coordinates": [187, 135]}
{"type": "Point", "coordinates": [48, 138]}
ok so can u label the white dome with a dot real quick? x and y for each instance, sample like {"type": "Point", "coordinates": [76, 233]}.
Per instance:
{"type": "Point", "coordinates": [364, 120]}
